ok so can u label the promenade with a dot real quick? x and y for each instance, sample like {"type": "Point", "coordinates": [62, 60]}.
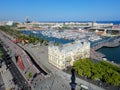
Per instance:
{"type": "Point", "coordinates": [14, 50]}
{"type": "Point", "coordinates": [41, 53]}
{"type": "Point", "coordinates": [56, 80]}
{"type": "Point", "coordinates": [2, 87]}
{"type": "Point", "coordinates": [52, 80]}
{"type": "Point", "coordinates": [6, 78]}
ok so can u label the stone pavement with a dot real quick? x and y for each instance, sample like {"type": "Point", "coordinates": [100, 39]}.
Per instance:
{"type": "Point", "coordinates": [41, 53]}
{"type": "Point", "coordinates": [58, 80]}
{"type": "Point", "coordinates": [2, 86]}
{"type": "Point", "coordinates": [16, 50]}
{"type": "Point", "coordinates": [7, 77]}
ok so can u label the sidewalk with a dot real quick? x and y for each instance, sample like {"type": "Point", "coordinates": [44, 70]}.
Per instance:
{"type": "Point", "coordinates": [41, 55]}
{"type": "Point", "coordinates": [7, 77]}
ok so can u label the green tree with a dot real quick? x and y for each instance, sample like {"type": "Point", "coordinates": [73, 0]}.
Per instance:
{"type": "Point", "coordinates": [102, 70]}
{"type": "Point", "coordinates": [29, 75]}
{"type": "Point", "coordinates": [15, 24]}
{"type": "Point", "coordinates": [80, 72]}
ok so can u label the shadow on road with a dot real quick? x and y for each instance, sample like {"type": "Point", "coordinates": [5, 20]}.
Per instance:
{"type": "Point", "coordinates": [73, 83]}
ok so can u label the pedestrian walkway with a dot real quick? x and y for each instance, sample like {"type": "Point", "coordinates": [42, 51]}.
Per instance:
{"type": "Point", "coordinates": [7, 77]}
{"type": "Point", "coordinates": [2, 86]}
{"type": "Point", "coordinates": [16, 50]}
{"type": "Point", "coordinates": [42, 57]}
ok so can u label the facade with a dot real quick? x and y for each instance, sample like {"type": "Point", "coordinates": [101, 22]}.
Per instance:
{"type": "Point", "coordinates": [64, 55]}
{"type": "Point", "coordinates": [9, 23]}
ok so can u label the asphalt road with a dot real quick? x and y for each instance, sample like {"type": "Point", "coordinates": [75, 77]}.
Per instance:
{"type": "Point", "coordinates": [18, 79]}
{"type": "Point", "coordinates": [62, 81]}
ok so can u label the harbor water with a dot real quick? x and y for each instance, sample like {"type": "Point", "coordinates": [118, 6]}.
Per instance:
{"type": "Point", "coordinates": [39, 34]}
{"type": "Point", "coordinates": [112, 54]}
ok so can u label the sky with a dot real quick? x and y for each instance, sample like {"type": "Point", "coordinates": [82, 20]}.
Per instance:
{"type": "Point", "coordinates": [60, 10]}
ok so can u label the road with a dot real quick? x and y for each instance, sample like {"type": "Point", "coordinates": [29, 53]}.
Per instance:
{"type": "Point", "coordinates": [29, 66]}
{"type": "Point", "coordinates": [18, 79]}
{"type": "Point", "coordinates": [41, 53]}
{"type": "Point", "coordinates": [59, 81]}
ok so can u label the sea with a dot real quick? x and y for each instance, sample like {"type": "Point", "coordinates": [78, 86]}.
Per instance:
{"type": "Point", "coordinates": [114, 22]}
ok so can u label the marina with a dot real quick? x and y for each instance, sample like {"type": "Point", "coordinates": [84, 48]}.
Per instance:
{"type": "Point", "coordinates": [60, 45]}
{"type": "Point", "coordinates": [97, 43]}
{"type": "Point", "coordinates": [42, 35]}
{"type": "Point", "coordinates": [63, 37]}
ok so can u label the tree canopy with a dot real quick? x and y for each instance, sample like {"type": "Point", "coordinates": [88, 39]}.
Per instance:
{"type": "Point", "coordinates": [19, 35]}
{"type": "Point", "coordinates": [102, 70]}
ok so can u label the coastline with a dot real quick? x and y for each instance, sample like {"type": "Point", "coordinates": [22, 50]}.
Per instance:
{"type": "Point", "coordinates": [111, 54]}
{"type": "Point", "coordinates": [101, 56]}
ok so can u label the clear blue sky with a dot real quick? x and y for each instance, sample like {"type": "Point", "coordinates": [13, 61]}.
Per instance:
{"type": "Point", "coordinates": [60, 10]}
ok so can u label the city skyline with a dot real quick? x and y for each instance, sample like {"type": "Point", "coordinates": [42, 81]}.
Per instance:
{"type": "Point", "coordinates": [62, 10]}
